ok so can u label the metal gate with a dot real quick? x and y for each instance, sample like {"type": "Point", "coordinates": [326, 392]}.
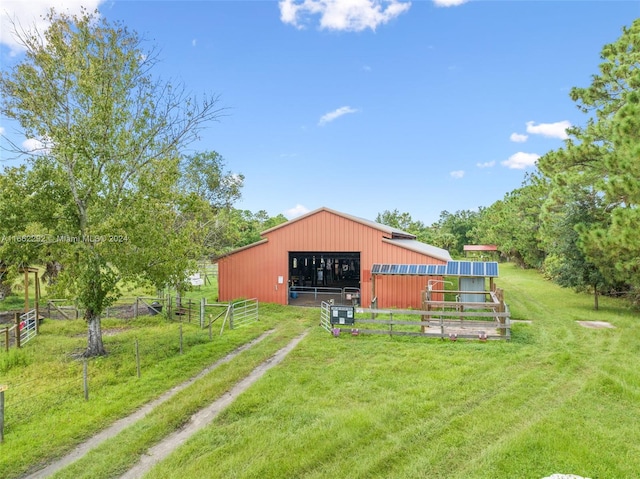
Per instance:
{"type": "Point", "coordinates": [243, 313]}
{"type": "Point", "coordinates": [28, 326]}
{"type": "Point", "coordinates": [238, 314]}
{"type": "Point", "coordinates": [325, 316]}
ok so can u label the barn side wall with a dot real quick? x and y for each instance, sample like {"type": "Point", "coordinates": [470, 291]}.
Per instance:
{"type": "Point", "coordinates": [255, 271]}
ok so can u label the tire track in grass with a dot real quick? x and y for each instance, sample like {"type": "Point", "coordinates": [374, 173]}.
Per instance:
{"type": "Point", "coordinates": [205, 416]}
{"type": "Point", "coordinates": [121, 424]}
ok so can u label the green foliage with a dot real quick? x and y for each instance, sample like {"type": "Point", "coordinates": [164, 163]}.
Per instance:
{"type": "Point", "coordinates": [600, 160]}
{"type": "Point", "coordinates": [454, 230]}
{"type": "Point", "coordinates": [242, 227]}
{"type": "Point", "coordinates": [103, 198]}
{"type": "Point", "coordinates": [404, 222]}
{"type": "Point", "coordinates": [566, 216]}
{"type": "Point", "coordinates": [513, 224]}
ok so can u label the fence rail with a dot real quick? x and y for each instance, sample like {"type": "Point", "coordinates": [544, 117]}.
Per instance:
{"type": "Point", "coordinates": [346, 295]}
{"type": "Point", "coordinates": [453, 323]}
{"type": "Point", "coordinates": [57, 307]}
{"type": "Point", "coordinates": [243, 313]}
{"type": "Point", "coordinates": [5, 336]}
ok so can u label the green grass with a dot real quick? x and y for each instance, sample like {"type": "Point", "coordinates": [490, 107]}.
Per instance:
{"type": "Point", "coordinates": [45, 411]}
{"type": "Point", "coordinates": [557, 398]}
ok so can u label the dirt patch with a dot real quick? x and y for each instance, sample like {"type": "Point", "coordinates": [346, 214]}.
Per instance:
{"type": "Point", "coordinates": [596, 324]}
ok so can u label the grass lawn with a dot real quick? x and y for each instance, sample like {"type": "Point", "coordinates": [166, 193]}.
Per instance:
{"type": "Point", "coordinates": [558, 398]}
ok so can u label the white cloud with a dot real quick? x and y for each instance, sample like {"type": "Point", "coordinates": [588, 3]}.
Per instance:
{"type": "Point", "coordinates": [1, 130]}
{"type": "Point", "coordinates": [457, 174]}
{"type": "Point", "coordinates": [449, 3]}
{"type": "Point", "coordinates": [332, 115]}
{"type": "Point", "coordinates": [297, 210]}
{"type": "Point", "coordinates": [194, 42]}
{"type": "Point", "coordinates": [26, 15]}
{"type": "Point", "coordinates": [36, 146]}
{"type": "Point", "coordinates": [518, 137]}
{"type": "Point", "coordinates": [347, 15]}
{"type": "Point", "coordinates": [486, 164]}
{"type": "Point", "coordinates": [551, 130]}
{"type": "Point", "coordinates": [520, 160]}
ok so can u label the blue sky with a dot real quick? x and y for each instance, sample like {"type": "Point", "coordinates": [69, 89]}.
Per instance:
{"type": "Point", "coordinates": [365, 106]}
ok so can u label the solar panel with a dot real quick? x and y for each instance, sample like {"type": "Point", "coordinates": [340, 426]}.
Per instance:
{"type": "Point", "coordinates": [478, 268]}
{"type": "Point", "coordinates": [452, 268]}
{"type": "Point", "coordinates": [465, 268]}
{"type": "Point", "coordinates": [492, 269]}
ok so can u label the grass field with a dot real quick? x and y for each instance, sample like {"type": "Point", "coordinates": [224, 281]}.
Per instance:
{"type": "Point", "coordinates": [558, 398]}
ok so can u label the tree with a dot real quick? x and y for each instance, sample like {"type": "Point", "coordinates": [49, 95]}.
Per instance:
{"type": "Point", "coordinates": [113, 137]}
{"type": "Point", "coordinates": [203, 179]}
{"type": "Point", "coordinates": [513, 223]}
{"type": "Point", "coordinates": [454, 229]}
{"type": "Point", "coordinates": [404, 222]}
{"type": "Point", "coordinates": [602, 157]}
{"type": "Point", "coordinates": [567, 262]}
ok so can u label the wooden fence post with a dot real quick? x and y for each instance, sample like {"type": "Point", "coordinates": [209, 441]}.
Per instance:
{"type": "Point", "coordinates": [501, 309]}
{"type": "Point", "coordinates": [17, 330]}
{"type": "Point", "coordinates": [137, 359]}
{"type": "Point", "coordinates": [202, 309]}
{"type": "Point", "coordinates": [85, 379]}
{"type": "Point", "coordinates": [6, 339]}
{"type": "Point", "coordinates": [2, 390]}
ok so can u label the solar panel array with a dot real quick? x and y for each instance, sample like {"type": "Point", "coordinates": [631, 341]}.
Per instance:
{"type": "Point", "coordinates": [452, 268]}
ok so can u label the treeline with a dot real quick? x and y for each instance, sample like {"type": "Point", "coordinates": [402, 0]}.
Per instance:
{"type": "Point", "coordinates": [577, 217]}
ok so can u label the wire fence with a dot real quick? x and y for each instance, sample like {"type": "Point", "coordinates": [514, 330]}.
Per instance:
{"type": "Point", "coordinates": [78, 379]}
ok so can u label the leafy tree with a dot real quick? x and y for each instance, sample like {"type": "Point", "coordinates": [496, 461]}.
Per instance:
{"type": "Point", "coordinates": [203, 178]}
{"type": "Point", "coordinates": [567, 262]}
{"type": "Point", "coordinates": [404, 222]}
{"type": "Point", "coordinates": [113, 138]}
{"type": "Point", "coordinates": [603, 157]}
{"type": "Point", "coordinates": [454, 230]}
{"type": "Point", "coordinates": [245, 227]}
{"type": "Point", "coordinates": [513, 223]}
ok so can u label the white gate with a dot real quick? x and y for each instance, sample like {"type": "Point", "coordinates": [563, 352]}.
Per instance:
{"type": "Point", "coordinates": [28, 326]}
{"type": "Point", "coordinates": [325, 316]}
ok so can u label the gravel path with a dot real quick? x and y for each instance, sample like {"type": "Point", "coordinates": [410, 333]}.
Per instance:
{"type": "Point", "coordinates": [119, 425]}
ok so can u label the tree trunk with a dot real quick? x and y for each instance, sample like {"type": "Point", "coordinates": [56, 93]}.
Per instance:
{"type": "Point", "coordinates": [94, 338]}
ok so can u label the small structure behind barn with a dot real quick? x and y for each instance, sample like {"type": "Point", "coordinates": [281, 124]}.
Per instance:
{"type": "Point", "coordinates": [326, 252]}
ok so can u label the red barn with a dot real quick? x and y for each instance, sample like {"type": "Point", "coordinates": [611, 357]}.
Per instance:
{"type": "Point", "coordinates": [326, 251]}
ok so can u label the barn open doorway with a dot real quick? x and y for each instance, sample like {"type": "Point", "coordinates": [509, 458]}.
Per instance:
{"type": "Point", "coordinates": [316, 276]}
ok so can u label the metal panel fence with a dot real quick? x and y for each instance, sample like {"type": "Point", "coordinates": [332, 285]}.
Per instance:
{"type": "Point", "coordinates": [243, 313]}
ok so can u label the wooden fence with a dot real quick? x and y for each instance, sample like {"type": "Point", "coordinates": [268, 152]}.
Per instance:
{"type": "Point", "coordinates": [441, 319]}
